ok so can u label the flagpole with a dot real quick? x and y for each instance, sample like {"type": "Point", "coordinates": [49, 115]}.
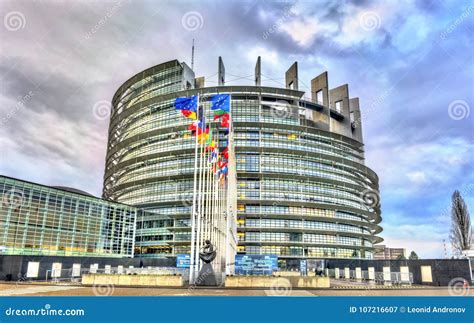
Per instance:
{"type": "Point", "coordinates": [198, 218]}
{"type": "Point", "coordinates": [193, 216]}
{"type": "Point", "coordinates": [231, 207]}
{"type": "Point", "coordinates": [200, 203]}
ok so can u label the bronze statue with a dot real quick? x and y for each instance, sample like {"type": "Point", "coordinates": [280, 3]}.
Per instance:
{"type": "Point", "coordinates": [208, 252]}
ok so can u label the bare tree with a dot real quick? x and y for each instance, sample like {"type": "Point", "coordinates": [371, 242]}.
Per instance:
{"type": "Point", "coordinates": [461, 231]}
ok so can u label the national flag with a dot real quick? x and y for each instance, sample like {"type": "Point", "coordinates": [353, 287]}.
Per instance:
{"type": "Point", "coordinates": [214, 155]}
{"type": "Point", "coordinates": [203, 135]}
{"type": "Point", "coordinates": [225, 153]}
{"type": "Point", "coordinates": [221, 102]}
{"type": "Point", "coordinates": [189, 114]}
{"type": "Point", "coordinates": [223, 115]}
{"type": "Point", "coordinates": [225, 121]}
{"type": "Point", "coordinates": [209, 139]}
{"type": "Point", "coordinates": [222, 164]}
{"type": "Point", "coordinates": [198, 127]}
{"type": "Point", "coordinates": [220, 112]}
{"type": "Point", "coordinates": [187, 106]}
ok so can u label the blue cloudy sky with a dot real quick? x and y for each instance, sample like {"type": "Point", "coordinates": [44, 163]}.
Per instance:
{"type": "Point", "coordinates": [410, 62]}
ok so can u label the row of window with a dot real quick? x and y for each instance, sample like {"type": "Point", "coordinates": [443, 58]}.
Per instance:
{"type": "Point", "coordinates": [300, 224]}
{"type": "Point", "coordinates": [285, 237]}
{"type": "Point", "coordinates": [39, 219]}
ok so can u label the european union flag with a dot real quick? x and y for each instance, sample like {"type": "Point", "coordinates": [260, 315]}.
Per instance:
{"type": "Point", "coordinates": [188, 104]}
{"type": "Point", "coordinates": [221, 102]}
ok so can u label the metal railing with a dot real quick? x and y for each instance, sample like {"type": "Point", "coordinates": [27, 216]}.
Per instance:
{"type": "Point", "coordinates": [74, 275]}
{"type": "Point", "coordinates": [396, 278]}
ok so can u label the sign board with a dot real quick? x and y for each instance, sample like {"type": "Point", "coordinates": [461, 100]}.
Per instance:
{"type": "Point", "coordinates": [255, 264]}
{"type": "Point", "coordinates": [183, 260]}
{"type": "Point", "coordinates": [32, 270]}
{"type": "Point", "coordinates": [56, 270]}
{"type": "Point", "coordinates": [93, 268]}
{"type": "Point", "coordinates": [303, 267]}
{"type": "Point", "coordinates": [76, 270]}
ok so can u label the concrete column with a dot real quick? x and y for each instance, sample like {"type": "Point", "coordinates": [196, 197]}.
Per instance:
{"type": "Point", "coordinates": [221, 72]}
{"type": "Point", "coordinates": [336, 273]}
{"type": "Point", "coordinates": [358, 273]}
{"type": "Point", "coordinates": [340, 125]}
{"type": "Point", "coordinates": [371, 271]}
{"type": "Point", "coordinates": [347, 273]}
{"type": "Point", "coordinates": [386, 275]}
{"type": "Point", "coordinates": [291, 77]}
{"type": "Point", "coordinates": [356, 119]}
{"type": "Point", "coordinates": [258, 72]}
{"type": "Point", "coordinates": [320, 83]}
{"type": "Point", "coordinates": [404, 275]}
{"type": "Point", "coordinates": [199, 82]}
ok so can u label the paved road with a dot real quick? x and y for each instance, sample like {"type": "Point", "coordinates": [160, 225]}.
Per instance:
{"type": "Point", "coordinates": [54, 290]}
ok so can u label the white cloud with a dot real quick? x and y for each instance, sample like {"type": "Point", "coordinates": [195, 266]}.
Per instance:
{"type": "Point", "coordinates": [417, 177]}
{"type": "Point", "coordinates": [425, 165]}
{"type": "Point", "coordinates": [303, 31]}
{"type": "Point", "coordinates": [266, 54]}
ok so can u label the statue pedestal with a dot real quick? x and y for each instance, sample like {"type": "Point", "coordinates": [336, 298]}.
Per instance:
{"type": "Point", "coordinates": [206, 276]}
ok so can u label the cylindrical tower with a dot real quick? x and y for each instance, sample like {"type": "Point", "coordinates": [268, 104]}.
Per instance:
{"type": "Point", "coordinates": [303, 190]}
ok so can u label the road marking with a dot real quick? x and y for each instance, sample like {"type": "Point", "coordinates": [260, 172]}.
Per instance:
{"type": "Point", "coordinates": [35, 289]}
{"type": "Point", "coordinates": [290, 293]}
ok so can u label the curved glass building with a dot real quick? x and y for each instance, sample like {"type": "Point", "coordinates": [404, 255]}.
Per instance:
{"type": "Point", "coordinates": [303, 189]}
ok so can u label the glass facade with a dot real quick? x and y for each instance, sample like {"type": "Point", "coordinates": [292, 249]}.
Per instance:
{"type": "Point", "coordinates": [299, 186]}
{"type": "Point", "coordinates": [46, 221]}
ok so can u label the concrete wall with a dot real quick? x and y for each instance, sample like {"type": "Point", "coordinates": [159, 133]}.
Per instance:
{"type": "Point", "coordinates": [291, 77]}
{"type": "Point", "coordinates": [199, 82]}
{"type": "Point", "coordinates": [258, 72]}
{"type": "Point", "coordinates": [343, 126]}
{"type": "Point", "coordinates": [269, 281]}
{"type": "Point", "coordinates": [442, 270]}
{"type": "Point", "coordinates": [220, 72]}
{"type": "Point", "coordinates": [356, 120]}
{"type": "Point", "coordinates": [320, 83]}
{"type": "Point", "coordinates": [132, 280]}
{"type": "Point", "coordinates": [15, 267]}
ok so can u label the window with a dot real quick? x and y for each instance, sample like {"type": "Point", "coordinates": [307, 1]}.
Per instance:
{"type": "Point", "coordinates": [319, 97]}
{"type": "Point", "coordinates": [339, 106]}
